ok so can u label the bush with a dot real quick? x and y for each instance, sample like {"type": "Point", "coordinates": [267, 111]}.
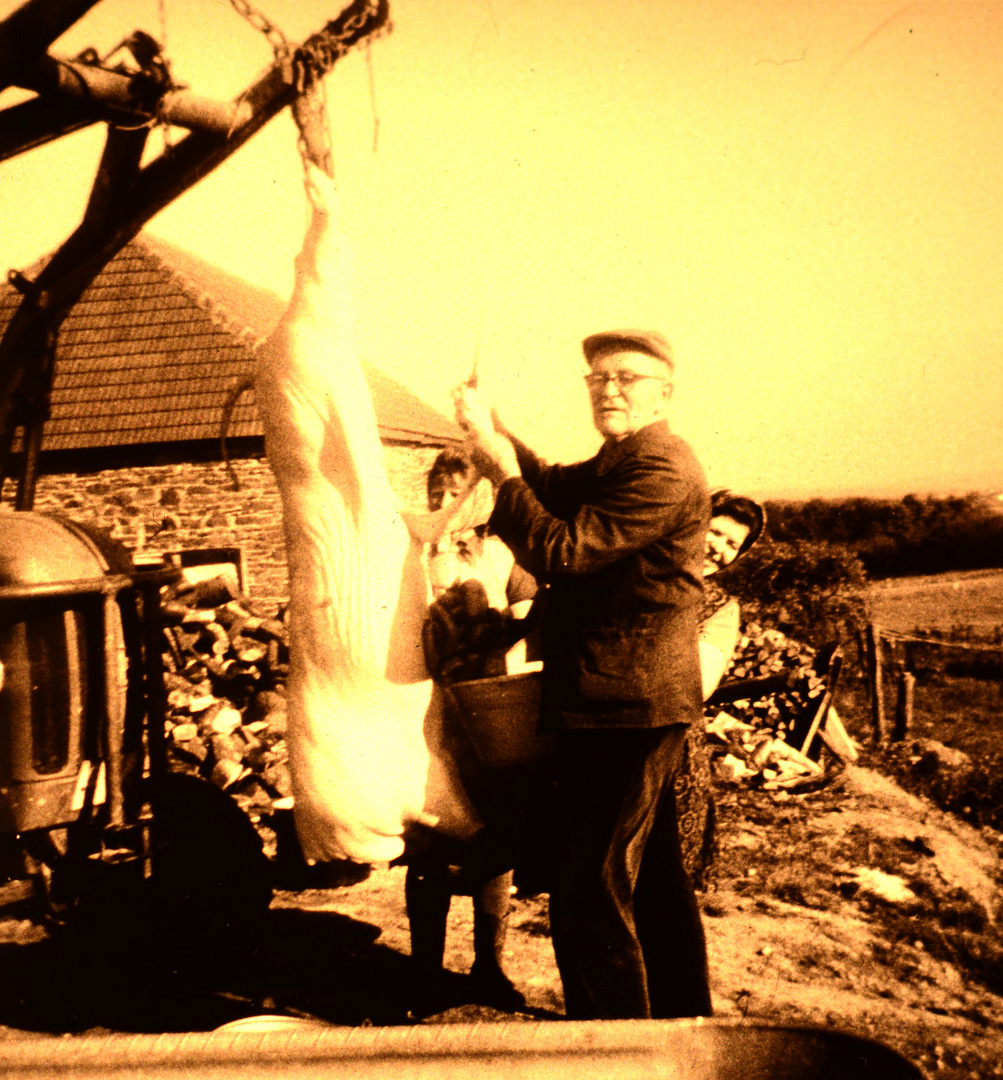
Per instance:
{"type": "Point", "coordinates": [811, 591]}
{"type": "Point", "coordinates": [937, 658]}
{"type": "Point", "coordinates": [973, 790]}
{"type": "Point", "coordinates": [913, 535]}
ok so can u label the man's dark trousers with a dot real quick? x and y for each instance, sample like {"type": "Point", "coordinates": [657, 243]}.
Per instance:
{"type": "Point", "coordinates": [626, 928]}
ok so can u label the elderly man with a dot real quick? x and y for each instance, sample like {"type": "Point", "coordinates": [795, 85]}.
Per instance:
{"type": "Point", "coordinates": [619, 541]}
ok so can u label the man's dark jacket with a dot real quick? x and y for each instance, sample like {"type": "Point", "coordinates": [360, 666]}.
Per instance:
{"type": "Point", "coordinates": [620, 541]}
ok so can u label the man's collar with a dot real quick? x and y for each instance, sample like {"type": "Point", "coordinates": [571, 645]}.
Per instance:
{"type": "Point", "coordinates": [651, 436]}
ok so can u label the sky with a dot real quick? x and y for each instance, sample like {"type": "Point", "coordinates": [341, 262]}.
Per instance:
{"type": "Point", "coordinates": [805, 198]}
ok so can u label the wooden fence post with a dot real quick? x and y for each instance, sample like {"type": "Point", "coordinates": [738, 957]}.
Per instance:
{"type": "Point", "coordinates": [903, 706]}
{"type": "Point", "coordinates": [862, 660]}
{"type": "Point", "coordinates": [875, 668]}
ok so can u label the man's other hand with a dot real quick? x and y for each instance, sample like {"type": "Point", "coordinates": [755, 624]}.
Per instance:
{"type": "Point", "coordinates": [492, 454]}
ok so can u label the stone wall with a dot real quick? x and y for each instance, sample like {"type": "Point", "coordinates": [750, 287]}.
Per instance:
{"type": "Point", "coordinates": [160, 508]}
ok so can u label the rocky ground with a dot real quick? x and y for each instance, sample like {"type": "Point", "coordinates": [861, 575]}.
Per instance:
{"type": "Point", "coordinates": [857, 907]}
{"type": "Point", "coordinates": [867, 909]}
{"type": "Point", "coordinates": [853, 906]}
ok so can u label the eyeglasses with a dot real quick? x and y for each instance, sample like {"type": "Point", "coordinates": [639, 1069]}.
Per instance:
{"type": "Point", "coordinates": [622, 380]}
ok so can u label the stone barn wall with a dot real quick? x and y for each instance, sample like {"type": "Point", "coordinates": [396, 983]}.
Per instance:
{"type": "Point", "coordinates": [159, 508]}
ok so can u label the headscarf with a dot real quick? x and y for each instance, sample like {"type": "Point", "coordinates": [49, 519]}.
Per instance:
{"type": "Point", "coordinates": [724, 502]}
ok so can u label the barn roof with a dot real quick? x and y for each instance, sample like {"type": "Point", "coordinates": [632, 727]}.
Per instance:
{"type": "Point", "coordinates": [154, 346]}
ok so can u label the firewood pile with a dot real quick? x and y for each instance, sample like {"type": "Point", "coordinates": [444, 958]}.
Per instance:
{"type": "Point", "coordinates": [762, 740]}
{"type": "Point", "coordinates": [762, 652]}
{"type": "Point", "coordinates": [225, 667]}
{"type": "Point", "coordinates": [742, 751]}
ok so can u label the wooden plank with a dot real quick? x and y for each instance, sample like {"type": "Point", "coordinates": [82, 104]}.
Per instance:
{"type": "Point", "coordinates": [875, 666]}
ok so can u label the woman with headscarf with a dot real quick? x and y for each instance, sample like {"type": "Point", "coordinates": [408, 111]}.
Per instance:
{"type": "Point", "coordinates": [736, 524]}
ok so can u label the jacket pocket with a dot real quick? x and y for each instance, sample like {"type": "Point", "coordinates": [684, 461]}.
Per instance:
{"type": "Point", "coordinates": [620, 665]}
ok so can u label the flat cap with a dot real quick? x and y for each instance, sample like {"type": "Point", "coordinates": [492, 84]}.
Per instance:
{"type": "Point", "coordinates": [645, 341]}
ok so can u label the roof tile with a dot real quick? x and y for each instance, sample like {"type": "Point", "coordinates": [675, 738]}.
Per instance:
{"type": "Point", "coordinates": [155, 346]}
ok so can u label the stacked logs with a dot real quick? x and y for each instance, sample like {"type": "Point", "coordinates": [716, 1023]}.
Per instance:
{"type": "Point", "coordinates": [225, 668]}
{"type": "Point", "coordinates": [741, 751]}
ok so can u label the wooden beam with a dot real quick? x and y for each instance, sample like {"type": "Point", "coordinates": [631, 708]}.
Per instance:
{"type": "Point", "coordinates": [92, 245]}
{"type": "Point", "coordinates": [876, 671]}
{"type": "Point", "coordinates": [904, 706]}
{"type": "Point", "coordinates": [31, 29]}
{"type": "Point", "coordinates": [116, 174]}
{"type": "Point", "coordinates": [34, 123]}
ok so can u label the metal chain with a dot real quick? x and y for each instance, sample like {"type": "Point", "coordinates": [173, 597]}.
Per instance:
{"type": "Point", "coordinates": [261, 22]}
{"type": "Point", "coordinates": [360, 21]}
{"type": "Point", "coordinates": [310, 113]}
{"type": "Point", "coordinates": [368, 21]}
{"type": "Point", "coordinates": [284, 56]}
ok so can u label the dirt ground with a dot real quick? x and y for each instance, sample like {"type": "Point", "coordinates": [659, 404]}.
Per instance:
{"type": "Point", "coordinates": [857, 907]}
{"type": "Point", "coordinates": [798, 930]}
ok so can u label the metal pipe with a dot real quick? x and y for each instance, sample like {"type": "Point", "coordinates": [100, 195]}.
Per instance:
{"type": "Point", "coordinates": [52, 75]}
{"type": "Point", "coordinates": [184, 109]}
{"type": "Point", "coordinates": [121, 98]}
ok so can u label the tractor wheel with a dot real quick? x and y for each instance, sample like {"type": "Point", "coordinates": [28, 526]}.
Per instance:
{"type": "Point", "coordinates": [210, 881]}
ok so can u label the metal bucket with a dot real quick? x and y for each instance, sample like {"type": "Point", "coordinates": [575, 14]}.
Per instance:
{"type": "Point", "coordinates": [500, 715]}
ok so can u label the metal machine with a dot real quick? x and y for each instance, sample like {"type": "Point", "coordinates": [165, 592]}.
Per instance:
{"type": "Point", "coordinates": [88, 807]}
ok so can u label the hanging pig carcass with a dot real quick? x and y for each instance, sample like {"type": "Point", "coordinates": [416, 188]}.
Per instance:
{"type": "Point", "coordinates": [365, 719]}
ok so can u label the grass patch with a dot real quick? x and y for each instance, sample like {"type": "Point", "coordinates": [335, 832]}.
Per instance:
{"type": "Point", "coordinates": [973, 791]}
{"type": "Point", "coordinates": [771, 852]}
{"type": "Point", "coordinates": [965, 714]}
{"type": "Point", "coordinates": [939, 602]}
{"type": "Point", "coordinates": [954, 930]}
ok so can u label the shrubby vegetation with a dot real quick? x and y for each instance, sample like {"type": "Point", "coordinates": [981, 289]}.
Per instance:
{"type": "Point", "coordinates": [811, 591]}
{"type": "Point", "coordinates": [912, 535]}
{"type": "Point", "coordinates": [809, 577]}
{"type": "Point", "coordinates": [973, 791]}
{"type": "Point", "coordinates": [935, 661]}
